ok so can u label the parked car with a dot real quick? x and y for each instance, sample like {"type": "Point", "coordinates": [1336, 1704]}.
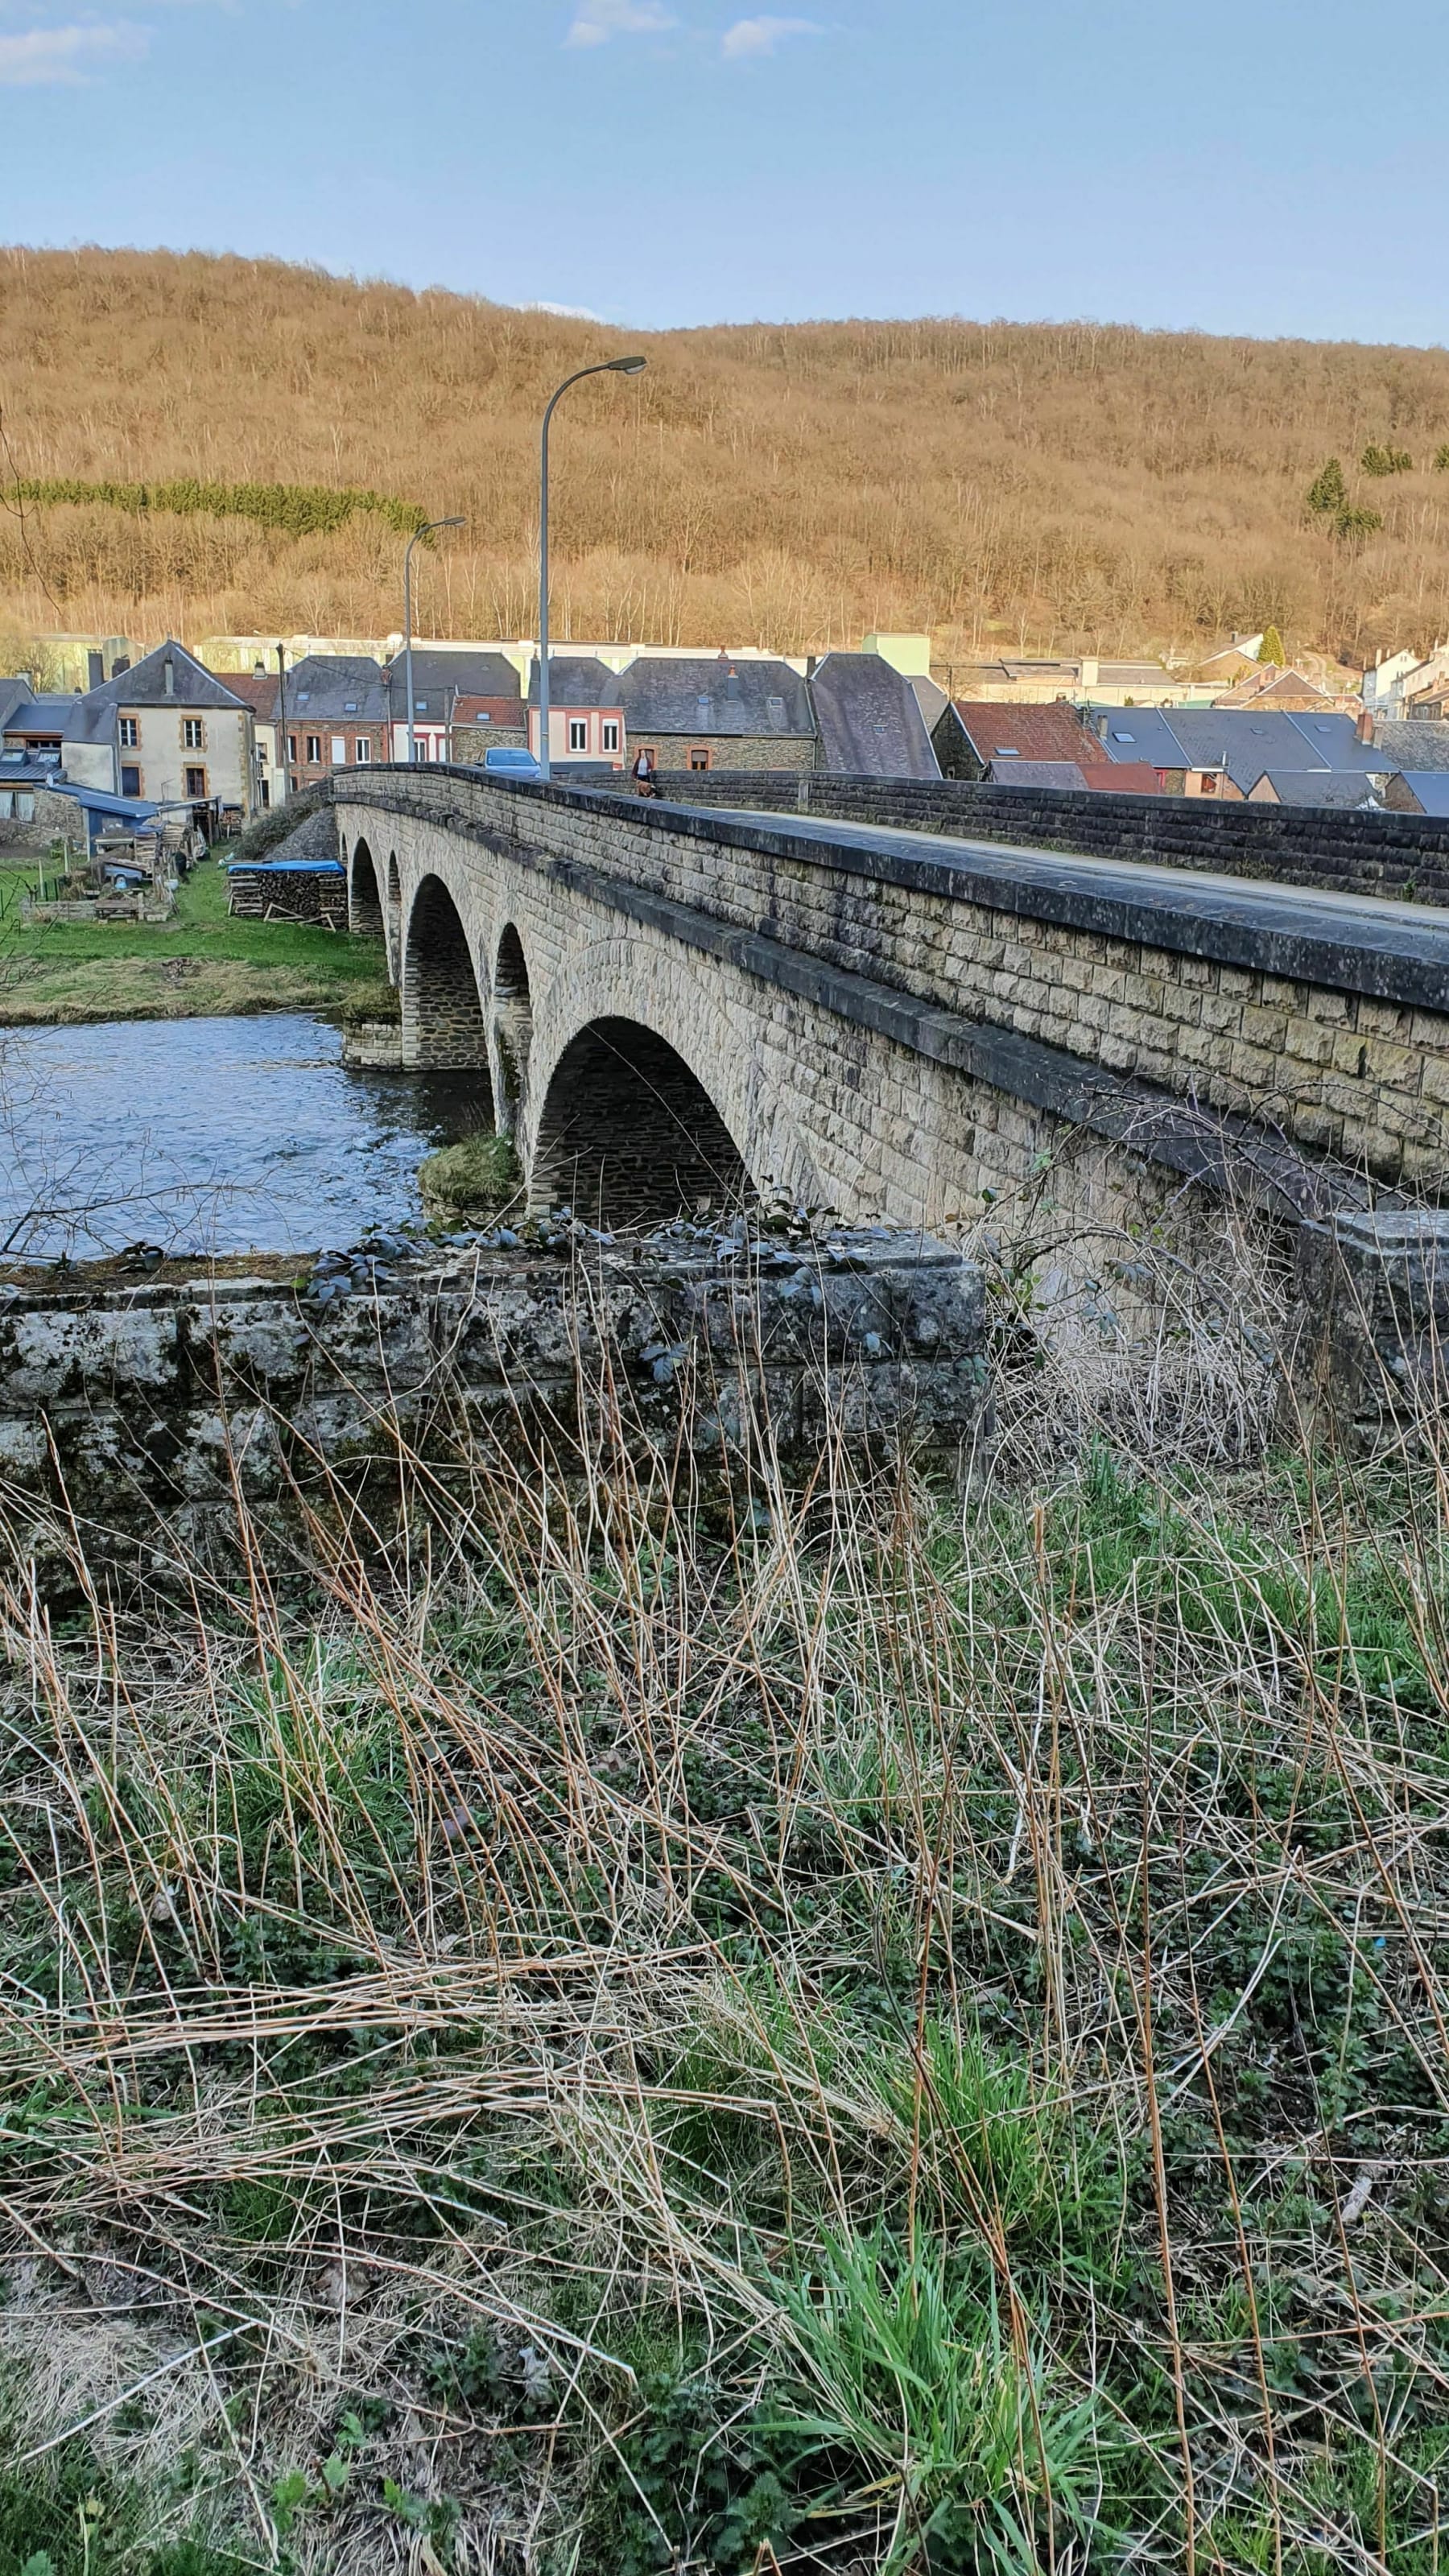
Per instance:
{"type": "Point", "coordinates": [510, 760]}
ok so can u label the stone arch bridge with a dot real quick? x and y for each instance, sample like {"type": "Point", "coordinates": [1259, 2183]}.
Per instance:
{"type": "Point", "coordinates": [664, 1006]}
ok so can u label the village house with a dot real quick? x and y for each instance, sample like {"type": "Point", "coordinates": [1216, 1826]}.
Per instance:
{"type": "Point", "coordinates": [723, 714]}
{"type": "Point", "coordinates": [259, 689]}
{"type": "Point", "coordinates": [183, 737]}
{"type": "Point", "coordinates": [585, 712]}
{"type": "Point", "coordinates": [71, 737]}
{"type": "Point", "coordinates": [339, 716]}
{"type": "Point", "coordinates": [462, 701]}
{"type": "Point", "coordinates": [974, 736]}
{"type": "Point", "coordinates": [1406, 685]}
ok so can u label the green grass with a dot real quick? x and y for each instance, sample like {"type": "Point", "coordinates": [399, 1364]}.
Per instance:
{"type": "Point", "coordinates": [852, 2037]}
{"type": "Point", "coordinates": [202, 961]}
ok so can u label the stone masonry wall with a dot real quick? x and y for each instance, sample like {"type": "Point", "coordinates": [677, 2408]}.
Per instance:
{"type": "Point", "coordinates": [730, 755]}
{"type": "Point", "coordinates": [1404, 856]}
{"type": "Point", "coordinates": [159, 1403]}
{"type": "Point", "coordinates": [897, 1036]}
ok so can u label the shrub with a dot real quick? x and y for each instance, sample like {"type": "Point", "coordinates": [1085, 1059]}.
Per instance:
{"type": "Point", "coordinates": [1271, 648]}
{"type": "Point", "coordinates": [1357, 522]}
{"type": "Point", "coordinates": [1386, 460]}
{"type": "Point", "coordinates": [482, 1172]}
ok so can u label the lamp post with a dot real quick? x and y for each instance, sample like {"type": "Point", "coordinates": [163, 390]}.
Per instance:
{"type": "Point", "coordinates": [427, 531]}
{"type": "Point", "coordinates": [609, 367]}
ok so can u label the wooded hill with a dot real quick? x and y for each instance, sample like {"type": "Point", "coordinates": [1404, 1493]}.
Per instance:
{"type": "Point", "coordinates": [1008, 486]}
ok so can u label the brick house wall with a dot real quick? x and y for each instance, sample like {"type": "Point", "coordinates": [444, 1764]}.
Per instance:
{"type": "Point", "coordinates": [305, 771]}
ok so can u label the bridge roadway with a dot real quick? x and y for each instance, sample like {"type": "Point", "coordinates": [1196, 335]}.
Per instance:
{"type": "Point", "coordinates": [664, 1003]}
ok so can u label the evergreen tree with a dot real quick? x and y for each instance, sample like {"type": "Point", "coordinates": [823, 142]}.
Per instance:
{"type": "Point", "coordinates": [1386, 460]}
{"type": "Point", "coordinates": [1329, 491]}
{"type": "Point", "coordinates": [1271, 648]}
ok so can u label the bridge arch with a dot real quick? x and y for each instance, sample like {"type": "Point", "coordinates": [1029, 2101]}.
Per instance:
{"type": "Point", "coordinates": [442, 1011]}
{"type": "Point", "coordinates": [628, 1135]}
{"type": "Point", "coordinates": [512, 1027]}
{"type": "Point", "coordinates": [364, 898]}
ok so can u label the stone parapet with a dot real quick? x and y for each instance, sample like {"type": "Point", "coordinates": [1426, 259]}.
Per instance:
{"type": "Point", "coordinates": [1403, 857]}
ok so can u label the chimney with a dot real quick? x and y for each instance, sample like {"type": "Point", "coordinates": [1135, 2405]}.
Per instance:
{"type": "Point", "coordinates": [1365, 725]}
{"type": "Point", "coordinates": [168, 677]}
{"type": "Point", "coordinates": [95, 670]}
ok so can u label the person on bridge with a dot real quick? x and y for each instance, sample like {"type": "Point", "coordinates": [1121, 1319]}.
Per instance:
{"type": "Point", "coordinates": [645, 782]}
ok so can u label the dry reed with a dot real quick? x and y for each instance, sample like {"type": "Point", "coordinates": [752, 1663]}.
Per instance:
{"type": "Point", "coordinates": [622, 2024]}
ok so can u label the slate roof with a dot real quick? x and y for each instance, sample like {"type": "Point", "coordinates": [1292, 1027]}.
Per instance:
{"type": "Point", "coordinates": [332, 688]}
{"type": "Point", "coordinates": [662, 694]}
{"type": "Point", "coordinates": [1343, 788]}
{"type": "Point", "coordinates": [441, 677]}
{"type": "Point", "coordinates": [1431, 787]}
{"type": "Point", "coordinates": [1249, 741]}
{"type": "Point", "coordinates": [576, 680]}
{"type": "Point", "coordinates": [870, 720]}
{"type": "Point", "coordinates": [1036, 773]}
{"type": "Point", "coordinates": [144, 685]}
{"type": "Point", "coordinates": [1031, 733]}
{"type": "Point", "coordinates": [71, 719]}
{"type": "Point", "coordinates": [13, 694]}
{"type": "Point", "coordinates": [1134, 734]}
{"type": "Point", "coordinates": [1411, 745]}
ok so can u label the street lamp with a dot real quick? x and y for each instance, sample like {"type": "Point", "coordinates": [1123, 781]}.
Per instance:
{"type": "Point", "coordinates": [429, 530]}
{"type": "Point", "coordinates": [610, 367]}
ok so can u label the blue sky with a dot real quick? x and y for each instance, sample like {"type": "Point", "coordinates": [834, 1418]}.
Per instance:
{"type": "Point", "coordinates": [669, 161]}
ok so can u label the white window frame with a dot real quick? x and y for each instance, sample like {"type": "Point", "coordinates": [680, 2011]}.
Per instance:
{"type": "Point", "coordinates": [130, 733]}
{"type": "Point", "coordinates": [314, 749]}
{"type": "Point", "coordinates": [578, 733]}
{"type": "Point", "coordinates": [361, 751]}
{"type": "Point", "coordinates": [339, 751]}
{"type": "Point", "coordinates": [611, 733]}
{"type": "Point", "coordinates": [193, 725]}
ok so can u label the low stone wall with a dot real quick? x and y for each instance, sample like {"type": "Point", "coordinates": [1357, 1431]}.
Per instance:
{"type": "Point", "coordinates": [1403, 856]}
{"type": "Point", "coordinates": [160, 1405]}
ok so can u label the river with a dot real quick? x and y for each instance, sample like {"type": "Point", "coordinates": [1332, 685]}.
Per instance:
{"type": "Point", "coordinates": [209, 1135]}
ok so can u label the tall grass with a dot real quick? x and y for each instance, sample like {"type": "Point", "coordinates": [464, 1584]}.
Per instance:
{"type": "Point", "coordinates": [626, 2024]}
{"type": "Point", "coordinates": [1007, 486]}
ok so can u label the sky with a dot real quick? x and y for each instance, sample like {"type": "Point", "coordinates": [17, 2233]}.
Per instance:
{"type": "Point", "coordinates": [658, 162]}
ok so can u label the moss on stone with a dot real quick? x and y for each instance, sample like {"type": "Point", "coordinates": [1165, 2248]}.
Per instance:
{"type": "Point", "coordinates": [372, 1004]}
{"type": "Point", "coordinates": [482, 1172]}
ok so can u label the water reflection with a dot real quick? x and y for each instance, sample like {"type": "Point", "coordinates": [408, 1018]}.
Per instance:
{"type": "Point", "coordinates": [226, 1135]}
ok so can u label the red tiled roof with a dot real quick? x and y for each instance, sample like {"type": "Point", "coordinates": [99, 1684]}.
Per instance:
{"type": "Point", "coordinates": [1033, 733]}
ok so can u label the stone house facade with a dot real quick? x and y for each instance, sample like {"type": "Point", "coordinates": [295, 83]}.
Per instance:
{"type": "Point", "coordinates": [733, 716]}
{"type": "Point", "coordinates": [183, 737]}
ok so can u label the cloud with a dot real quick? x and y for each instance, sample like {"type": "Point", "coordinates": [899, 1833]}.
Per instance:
{"type": "Point", "coordinates": [597, 20]}
{"type": "Point", "coordinates": [68, 55]}
{"type": "Point", "coordinates": [751, 36]}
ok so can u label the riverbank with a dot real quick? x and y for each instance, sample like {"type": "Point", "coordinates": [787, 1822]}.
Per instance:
{"type": "Point", "coordinates": [202, 964]}
{"type": "Point", "coordinates": [935, 2013]}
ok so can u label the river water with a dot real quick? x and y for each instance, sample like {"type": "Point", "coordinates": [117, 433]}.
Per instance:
{"type": "Point", "coordinates": [226, 1135]}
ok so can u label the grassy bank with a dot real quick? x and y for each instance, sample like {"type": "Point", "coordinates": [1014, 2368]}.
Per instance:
{"type": "Point", "coordinates": [844, 2033]}
{"type": "Point", "coordinates": [195, 966]}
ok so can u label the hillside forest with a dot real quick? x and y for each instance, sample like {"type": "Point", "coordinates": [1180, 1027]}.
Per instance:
{"type": "Point", "coordinates": [1010, 487]}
